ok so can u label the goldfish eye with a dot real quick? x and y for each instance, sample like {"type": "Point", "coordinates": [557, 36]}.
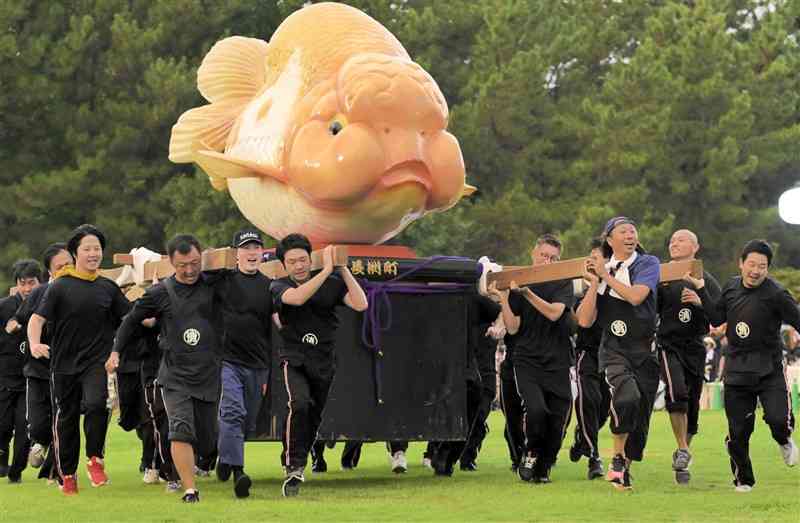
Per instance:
{"type": "Point", "coordinates": [335, 127]}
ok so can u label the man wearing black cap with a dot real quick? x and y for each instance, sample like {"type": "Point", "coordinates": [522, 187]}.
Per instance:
{"type": "Point", "coordinates": [622, 297]}
{"type": "Point", "coordinates": [246, 353]}
{"type": "Point", "coordinates": [305, 303]}
{"type": "Point", "coordinates": [754, 306]}
{"type": "Point", "coordinates": [84, 310]}
{"type": "Point", "coordinates": [188, 312]}
{"type": "Point", "coordinates": [681, 353]}
{"type": "Point", "coordinates": [13, 352]}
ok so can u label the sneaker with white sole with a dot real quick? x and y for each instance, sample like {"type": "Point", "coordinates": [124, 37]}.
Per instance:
{"type": "Point", "coordinates": [36, 455]}
{"type": "Point", "coordinates": [427, 463]}
{"type": "Point", "coordinates": [743, 488]}
{"type": "Point", "coordinates": [97, 474]}
{"type": "Point", "coordinates": [173, 486]}
{"type": "Point", "coordinates": [399, 462]}
{"type": "Point", "coordinates": [790, 453]}
{"type": "Point", "coordinates": [291, 485]}
{"type": "Point", "coordinates": [150, 476]}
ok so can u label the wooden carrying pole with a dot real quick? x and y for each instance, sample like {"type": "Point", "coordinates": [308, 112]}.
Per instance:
{"type": "Point", "coordinates": [573, 269]}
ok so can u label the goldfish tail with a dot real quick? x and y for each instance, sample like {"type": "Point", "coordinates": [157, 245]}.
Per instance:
{"type": "Point", "coordinates": [232, 73]}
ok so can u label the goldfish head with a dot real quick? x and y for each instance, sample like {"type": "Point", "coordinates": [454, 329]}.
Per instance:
{"type": "Point", "coordinates": [344, 145]}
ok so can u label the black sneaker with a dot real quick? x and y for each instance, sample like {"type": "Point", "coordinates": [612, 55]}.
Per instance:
{"type": "Point", "coordinates": [627, 478]}
{"type": "Point", "coordinates": [469, 466]}
{"type": "Point", "coordinates": [514, 467]}
{"type": "Point", "coordinates": [191, 497]}
{"type": "Point", "coordinates": [681, 459]}
{"type": "Point", "coordinates": [595, 469]}
{"type": "Point", "coordinates": [319, 465]}
{"type": "Point", "coordinates": [616, 472]}
{"type": "Point", "coordinates": [241, 485]}
{"type": "Point", "coordinates": [3, 471]}
{"type": "Point", "coordinates": [223, 471]}
{"type": "Point", "coordinates": [14, 479]}
{"type": "Point", "coordinates": [525, 469]}
{"type": "Point", "coordinates": [575, 454]}
{"type": "Point", "coordinates": [291, 485]}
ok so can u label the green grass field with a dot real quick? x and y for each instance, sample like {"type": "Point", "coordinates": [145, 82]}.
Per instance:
{"type": "Point", "coordinates": [493, 493]}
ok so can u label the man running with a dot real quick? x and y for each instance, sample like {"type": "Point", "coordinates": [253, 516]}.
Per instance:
{"type": "Point", "coordinates": [754, 306]}
{"type": "Point", "coordinates": [84, 310]}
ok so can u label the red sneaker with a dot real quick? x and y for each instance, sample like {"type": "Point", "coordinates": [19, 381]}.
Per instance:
{"type": "Point", "coordinates": [97, 475]}
{"type": "Point", "coordinates": [70, 486]}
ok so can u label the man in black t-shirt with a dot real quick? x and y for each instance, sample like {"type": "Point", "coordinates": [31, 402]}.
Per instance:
{"type": "Point", "coordinates": [681, 353]}
{"type": "Point", "coordinates": [539, 318]}
{"type": "Point", "coordinates": [13, 348]}
{"type": "Point", "coordinates": [84, 310]}
{"type": "Point", "coordinates": [37, 371]}
{"type": "Point", "coordinates": [187, 310]}
{"type": "Point", "coordinates": [592, 400]}
{"type": "Point", "coordinates": [246, 353]}
{"type": "Point", "coordinates": [306, 306]}
{"type": "Point", "coordinates": [754, 306]}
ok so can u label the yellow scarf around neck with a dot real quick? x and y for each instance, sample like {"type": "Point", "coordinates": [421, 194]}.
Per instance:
{"type": "Point", "coordinates": [70, 270]}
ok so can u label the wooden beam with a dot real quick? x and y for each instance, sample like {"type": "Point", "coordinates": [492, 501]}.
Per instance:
{"type": "Point", "coordinates": [225, 258]}
{"type": "Point", "coordinates": [127, 259]}
{"type": "Point", "coordinates": [573, 269]}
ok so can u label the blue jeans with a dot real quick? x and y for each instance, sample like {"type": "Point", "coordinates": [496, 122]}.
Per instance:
{"type": "Point", "coordinates": [243, 390]}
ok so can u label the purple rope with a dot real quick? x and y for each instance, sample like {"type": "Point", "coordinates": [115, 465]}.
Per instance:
{"type": "Point", "coordinates": [378, 317]}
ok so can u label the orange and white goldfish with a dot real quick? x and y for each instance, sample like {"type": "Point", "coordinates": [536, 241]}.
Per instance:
{"type": "Point", "coordinates": [329, 130]}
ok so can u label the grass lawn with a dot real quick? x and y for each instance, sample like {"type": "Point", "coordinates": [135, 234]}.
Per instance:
{"type": "Point", "coordinates": [373, 493]}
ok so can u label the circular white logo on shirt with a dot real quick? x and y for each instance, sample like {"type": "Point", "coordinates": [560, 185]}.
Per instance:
{"type": "Point", "coordinates": [310, 339]}
{"type": "Point", "coordinates": [742, 329]}
{"type": "Point", "coordinates": [618, 328]}
{"type": "Point", "coordinates": [685, 315]}
{"type": "Point", "coordinates": [23, 347]}
{"type": "Point", "coordinates": [191, 337]}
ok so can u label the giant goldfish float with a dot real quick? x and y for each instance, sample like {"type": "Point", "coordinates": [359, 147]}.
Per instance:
{"type": "Point", "coordinates": [329, 129]}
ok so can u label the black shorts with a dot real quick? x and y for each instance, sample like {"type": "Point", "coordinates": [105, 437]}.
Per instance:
{"type": "Point", "coordinates": [191, 420]}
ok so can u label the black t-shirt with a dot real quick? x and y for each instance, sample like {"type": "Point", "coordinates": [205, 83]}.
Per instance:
{"type": "Point", "coordinates": [35, 367]}
{"type": "Point", "coordinates": [754, 318]}
{"type": "Point", "coordinates": [682, 325]}
{"type": "Point", "coordinates": [247, 312]}
{"type": "Point", "coordinates": [13, 347]}
{"type": "Point", "coordinates": [481, 313]}
{"type": "Point", "coordinates": [539, 342]}
{"type": "Point", "coordinates": [588, 340]}
{"type": "Point", "coordinates": [311, 325]}
{"type": "Point", "coordinates": [84, 316]}
{"type": "Point", "coordinates": [190, 336]}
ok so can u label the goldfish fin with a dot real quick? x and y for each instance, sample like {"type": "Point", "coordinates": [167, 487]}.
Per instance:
{"type": "Point", "coordinates": [468, 190]}
{"type": "Point", "coordinates": [221, 166]}
{"type": "Point", "coordinates": [234, 68]}
{"type": "Point", "coordinates": [204, 127]}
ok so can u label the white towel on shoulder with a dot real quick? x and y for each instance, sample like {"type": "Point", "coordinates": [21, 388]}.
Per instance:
{"type": "Point", "coordinates": [622, 274]}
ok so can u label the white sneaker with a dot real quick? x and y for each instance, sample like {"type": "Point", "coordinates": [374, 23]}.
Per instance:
{"type": "Point", "coordinates": [790, 452]}
{"type": "Point", "coordinates": [743, 488]}
{"type": "Point", "coordinates": [399, 462]}
{"type": "Point", "coordinates": [427, 463]}
{"type": "Point", "coordinates": [150, 476]}
{"type": "Point", "coordinates": [36, 455]}
{"type": "Point", "coordinates": [173, 486]}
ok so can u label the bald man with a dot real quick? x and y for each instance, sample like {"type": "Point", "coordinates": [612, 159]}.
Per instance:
{"type": "Point", "coordinates": [681, 352]}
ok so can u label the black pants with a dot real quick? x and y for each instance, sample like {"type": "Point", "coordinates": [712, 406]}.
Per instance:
{"type": "Point", "coordinates": [307, 386]}
{"type": "Point", "coordinates": [13, 424]}
{"type": "Point", "coordinates": [71, 392]}
{"type": "Point", "coordinates": [444, 454]}
{"type": "Point", "coordinates": [511, 404]}
{"type": "Point", "coordinates": [130, 397]}
{"type": "Point", "coordinates": [352, 451]}
{"type": "Point", "coordinates": [683, 388]}
{"type": "Point", "coordinates": [591, 405]}
{"type": "Point", "coordinates": [479, 428]}
{"type": "Point", "coordinates": [633, 389]}
{"type": "Point", "coordinates": [740, 408]}
{"type": "Point", "coordinates": [547, 408]}
{"type": "Point", "coordinates": [40, 421]}
{"type": "Point", "coordinates": [154, 432]}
